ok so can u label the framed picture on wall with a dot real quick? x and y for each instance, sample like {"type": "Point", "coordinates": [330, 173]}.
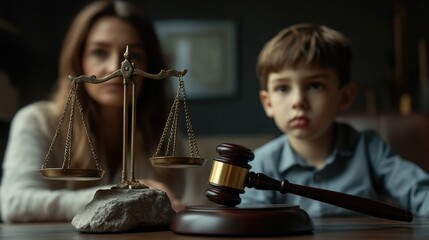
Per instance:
{"type": "Point", "coordinates": [206, 48]}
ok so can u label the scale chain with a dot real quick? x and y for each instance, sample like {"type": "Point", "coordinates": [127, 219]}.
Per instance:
{"type": "Point", "coordinates": [60, 124]}
{"type": "Point", "coordinates": [164, 132]}
{"type": "Point", "coordinates": [69, 136]}
{"type": "Point", "coordinates": [172, 119]}
{"type": "Point", "coordinates": [173, 130]}
{"type": "Point", "coordinates": [191, 137]}
{"type": "Point", "coordinates": [72, 98]}
{"type": "Point", "coordinates": [85, 126]}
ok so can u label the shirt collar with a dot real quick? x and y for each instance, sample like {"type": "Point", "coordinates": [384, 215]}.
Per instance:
{"type": "Point", "coordinates": [345, 137]}
{"type": "Point", "coordinates": [289, 157]}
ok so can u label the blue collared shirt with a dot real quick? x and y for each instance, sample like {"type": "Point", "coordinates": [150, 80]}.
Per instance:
{"type": "Point", "coordinates": [360, 164]}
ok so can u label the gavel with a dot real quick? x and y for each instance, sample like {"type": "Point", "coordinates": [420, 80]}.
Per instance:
{"type": "Point", "coordinates": [230, 174]}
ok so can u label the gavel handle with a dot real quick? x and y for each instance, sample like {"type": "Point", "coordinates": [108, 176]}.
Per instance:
{"type": "Point", "coordinates": [351, 202]}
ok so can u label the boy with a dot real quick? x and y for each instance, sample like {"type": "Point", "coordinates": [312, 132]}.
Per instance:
{"type": "Point", "coordinates": [304, 76]}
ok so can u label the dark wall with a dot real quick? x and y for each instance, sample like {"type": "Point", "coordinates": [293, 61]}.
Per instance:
{"type": "Point", "coordinates": [368, 24]}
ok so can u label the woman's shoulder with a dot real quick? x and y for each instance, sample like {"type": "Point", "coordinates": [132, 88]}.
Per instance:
{"type": "Point", "coordinates": [40, 108]}
{"type": "Point", "coordinates": [37, 113]}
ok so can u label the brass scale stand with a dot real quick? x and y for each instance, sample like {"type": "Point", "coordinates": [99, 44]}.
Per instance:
{"type": "Point", "coordinates": [168, 160]}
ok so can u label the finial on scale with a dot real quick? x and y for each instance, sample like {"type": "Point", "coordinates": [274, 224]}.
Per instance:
{"type": "Point", "coordinates": [126, 54]}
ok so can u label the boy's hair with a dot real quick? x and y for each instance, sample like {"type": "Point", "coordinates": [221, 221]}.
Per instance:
{"type": "Point", "coordinates": [311, 44]}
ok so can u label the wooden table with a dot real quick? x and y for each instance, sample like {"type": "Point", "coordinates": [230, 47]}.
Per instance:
{"type": "Point", "coordinates": [324, 228]}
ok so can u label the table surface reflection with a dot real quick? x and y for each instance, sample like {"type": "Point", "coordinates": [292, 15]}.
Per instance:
{"type": "Point", "coordinates": [324, 228]}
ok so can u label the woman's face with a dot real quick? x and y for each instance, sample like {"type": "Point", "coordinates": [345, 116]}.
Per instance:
{"type": "Point", "coordinates": [103, 54]}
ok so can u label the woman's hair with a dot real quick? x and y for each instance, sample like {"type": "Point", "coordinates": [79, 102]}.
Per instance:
{"type": "Point", "coordinates": [315, 45]}
{"type": "Point", "coordinates": [151, 102]}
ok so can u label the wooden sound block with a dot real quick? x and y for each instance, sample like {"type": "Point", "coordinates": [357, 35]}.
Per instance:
{"type": "Point", "coordinates": [242, 220]}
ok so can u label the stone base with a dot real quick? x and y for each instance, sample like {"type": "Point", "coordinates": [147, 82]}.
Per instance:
{"type": "Point", "coordinates": [119, 210]}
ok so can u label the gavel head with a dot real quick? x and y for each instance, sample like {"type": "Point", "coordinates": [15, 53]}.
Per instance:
{"type": "Point", "coordinates": [229, 173]}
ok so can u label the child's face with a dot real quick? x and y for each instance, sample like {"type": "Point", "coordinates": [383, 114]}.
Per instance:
{"type": "Point", "coordinates": [304, 100]}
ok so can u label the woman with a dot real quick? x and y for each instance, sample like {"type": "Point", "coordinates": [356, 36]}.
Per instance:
{"type": "Point", "coordinates": [94, 45]}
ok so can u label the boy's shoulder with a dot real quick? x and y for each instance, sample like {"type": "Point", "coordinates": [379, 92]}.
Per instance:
{"type": "Point", "coordinates": [350, 133]}
{"type": "Point", "coordinates": [352, 141]}
{"type": "Point", "coordinates": [272, 147]}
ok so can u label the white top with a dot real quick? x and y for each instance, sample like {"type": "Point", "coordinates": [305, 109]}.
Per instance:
{"type": "Point", "coordinates": [25, 194]}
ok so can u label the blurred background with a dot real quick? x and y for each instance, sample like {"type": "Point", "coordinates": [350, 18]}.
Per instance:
{"type": "Point", "coordinates": [219, 42]}
{"type": "Point", "coordinates": [388, 37]}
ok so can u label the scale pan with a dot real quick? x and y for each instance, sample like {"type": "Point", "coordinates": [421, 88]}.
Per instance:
{"type": "Point", "coordinates": [177, 162]}
{"type": "Point", "coordinates": [71, 174]}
